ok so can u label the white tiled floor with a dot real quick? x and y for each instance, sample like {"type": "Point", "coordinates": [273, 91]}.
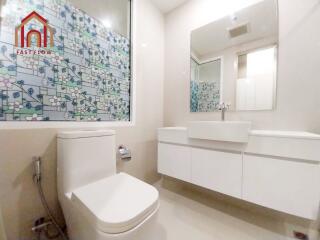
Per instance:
{"type": "Point", "coordinates": [186, 215]}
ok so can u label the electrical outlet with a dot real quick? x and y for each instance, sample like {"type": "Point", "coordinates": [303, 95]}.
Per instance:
{"type": "Point", "coordinates": [300, 235]}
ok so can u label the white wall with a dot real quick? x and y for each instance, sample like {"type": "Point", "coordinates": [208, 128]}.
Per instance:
{"type": "Point", "coordinates": [18, 195]}
{"type": "Point", "coordinates": [298, 101]}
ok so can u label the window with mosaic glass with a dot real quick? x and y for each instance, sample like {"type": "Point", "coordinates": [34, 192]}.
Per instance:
{"type": "Point", "coordinates": [65, 60]}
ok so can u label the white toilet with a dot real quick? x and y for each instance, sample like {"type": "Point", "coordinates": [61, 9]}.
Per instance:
{"type": "Point", "coordinates": [98, 203]}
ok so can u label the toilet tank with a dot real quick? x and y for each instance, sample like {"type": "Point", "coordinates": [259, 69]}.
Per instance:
{"type": "Point", "coordinates": [84, 157]}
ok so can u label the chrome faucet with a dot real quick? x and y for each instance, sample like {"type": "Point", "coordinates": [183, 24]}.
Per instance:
{"type": "Point", "coordinates": [223, 107]}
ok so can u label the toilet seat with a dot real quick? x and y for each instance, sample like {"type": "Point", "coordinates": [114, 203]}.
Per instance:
{"type": "Point", "coordinates": [117, 203]}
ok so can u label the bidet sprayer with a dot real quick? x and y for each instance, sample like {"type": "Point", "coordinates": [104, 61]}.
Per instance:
{"type": "Point", "coordinates": [37, 169]}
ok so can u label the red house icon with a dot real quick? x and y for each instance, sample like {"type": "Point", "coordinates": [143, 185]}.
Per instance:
{"type": "Point", "coordinates": [41, 38]}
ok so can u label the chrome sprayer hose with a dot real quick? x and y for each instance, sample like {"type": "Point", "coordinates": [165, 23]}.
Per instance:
{"type": "Point", "coordinates": [49, 212]}
{"type": "Point", "coordinates": [37, 179]}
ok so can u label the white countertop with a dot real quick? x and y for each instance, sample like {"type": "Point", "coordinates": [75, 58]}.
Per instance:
{"type": "Point", "coordinates": [268, 133]}
{"type": "Point", "coordinates": [285, 134]}
{"type": "Point", "coordinates": [288, 144]}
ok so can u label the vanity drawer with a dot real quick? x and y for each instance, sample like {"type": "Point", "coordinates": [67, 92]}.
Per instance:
{"type": "Point", "coordinates": [174, 161]}
{"type": "Point", "coordinates": [282, 184]}
{"type": "Point", "coordinates": [218, 171]}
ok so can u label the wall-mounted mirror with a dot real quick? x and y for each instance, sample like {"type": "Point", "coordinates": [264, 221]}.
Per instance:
{"type": "Point", "coordinates": [234, 60]}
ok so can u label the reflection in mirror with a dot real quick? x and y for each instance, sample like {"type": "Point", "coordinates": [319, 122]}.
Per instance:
{"type": "Point", "coordinates": [238, 52]}
{"type": "Point", "coordinates": [205, 84]}
{"type": "Point", "coordinates": [256, 79]}
{"type": "Point", "coordinates": [113, 14]}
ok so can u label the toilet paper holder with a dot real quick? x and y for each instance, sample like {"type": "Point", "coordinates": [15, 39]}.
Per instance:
{"type": "Point", "coordinates": [124, 153]}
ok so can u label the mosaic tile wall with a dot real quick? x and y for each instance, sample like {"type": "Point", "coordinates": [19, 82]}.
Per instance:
{"type": "Point", "coordinates": [194, 103]}
{"type": "Point", "coordinates": [204, 96]}
{"type": "Point", "coordinates": [85, 78]}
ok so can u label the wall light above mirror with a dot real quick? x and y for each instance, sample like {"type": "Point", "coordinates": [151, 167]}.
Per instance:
{"type": "Point", "coordinates": [234, 60]}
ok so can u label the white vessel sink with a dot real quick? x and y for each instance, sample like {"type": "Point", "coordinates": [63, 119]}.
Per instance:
{"type": "Point", "coordinates": [229, 131]}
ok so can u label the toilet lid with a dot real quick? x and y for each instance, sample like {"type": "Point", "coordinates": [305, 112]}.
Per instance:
{"type": "Point", "coordinates": [116, 204]}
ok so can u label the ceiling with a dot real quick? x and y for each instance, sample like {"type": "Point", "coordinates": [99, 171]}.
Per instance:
{"type": "Point", "coordinates": [168, 5]}
{"type": "Point", "coordinates": [262, 21]}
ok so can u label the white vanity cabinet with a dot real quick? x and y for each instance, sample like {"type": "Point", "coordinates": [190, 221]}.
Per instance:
{"type": "Point", "coordinates": [278, 170]}
{"type": "Point", "coordinates": [217, 170]}
{"type": "Point", "coordinates": [286, 185]}
{"type": "Point", "coordinates": [174, 161]}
